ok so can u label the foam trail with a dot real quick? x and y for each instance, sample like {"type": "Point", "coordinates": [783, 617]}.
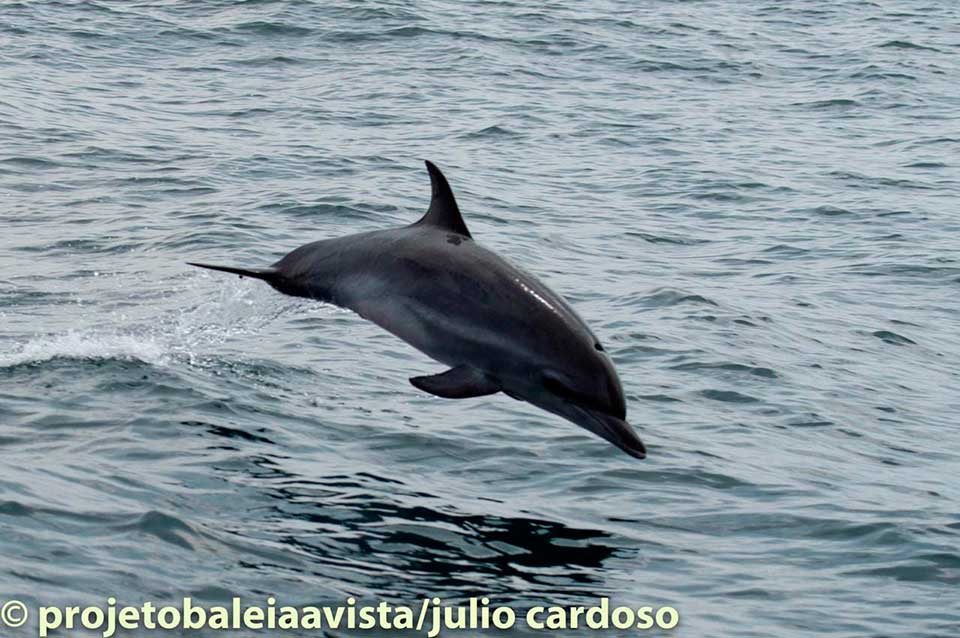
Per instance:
{"type": "Point", "coordinates": [80, 345]}
{"type": "Point", "coordinates": [180, 335]}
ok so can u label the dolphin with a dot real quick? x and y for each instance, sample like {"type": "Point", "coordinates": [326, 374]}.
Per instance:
{"type": "Point", "coordinates": [496, 327]}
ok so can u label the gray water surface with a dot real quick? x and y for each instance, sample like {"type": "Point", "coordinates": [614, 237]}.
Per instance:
{"type": "Point", "coordinates": [754, 205]}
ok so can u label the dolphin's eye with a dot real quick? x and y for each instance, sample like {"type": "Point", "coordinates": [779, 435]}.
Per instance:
{"type": "Point", "coordinates": [598, 346]}
{"type": "Point", "coordinates": [560, 389]}
{"type": "Point", "coordinates": [557, 387]}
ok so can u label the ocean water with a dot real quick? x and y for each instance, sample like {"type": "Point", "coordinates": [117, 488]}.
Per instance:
{"type": "Point", "coordinates": [754, 205]}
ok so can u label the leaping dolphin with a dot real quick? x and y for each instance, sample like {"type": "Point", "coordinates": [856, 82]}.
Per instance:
{"type": "Point", "coordinates": [497, 327]}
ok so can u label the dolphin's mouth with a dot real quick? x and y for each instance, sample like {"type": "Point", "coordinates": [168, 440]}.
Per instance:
{"type": "Point", "coordinates": [607, 426]}
{"type": "Point", "coordinates": [615, 430]}
{"type": "Point", "coordinates": [600, 422]}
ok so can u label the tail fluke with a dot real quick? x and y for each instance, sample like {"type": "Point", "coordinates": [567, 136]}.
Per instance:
{"type": "Point", "coordinates": [255, 273]}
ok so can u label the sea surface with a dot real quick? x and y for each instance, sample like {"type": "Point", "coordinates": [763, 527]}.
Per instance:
{"type": "Point", "coordinates": [756, 206]}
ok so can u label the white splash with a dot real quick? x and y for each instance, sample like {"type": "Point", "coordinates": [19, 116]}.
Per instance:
{"type": "Point", "coordinates": [191, 332]}
{"type": "Point", "coordinates": [83, 345]}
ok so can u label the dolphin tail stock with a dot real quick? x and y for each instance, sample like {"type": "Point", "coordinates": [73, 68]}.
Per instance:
{"type": "Point", "coordinates": [266, 274]}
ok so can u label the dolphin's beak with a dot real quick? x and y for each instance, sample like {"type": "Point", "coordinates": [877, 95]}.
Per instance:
{"type": "Point", "coordinates": [606, 426]}
{"type": "Point", "coordinates": [615, 430]}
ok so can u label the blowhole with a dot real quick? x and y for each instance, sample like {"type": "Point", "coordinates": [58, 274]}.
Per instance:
{"type": "Point", "coordinates": [598, 347]}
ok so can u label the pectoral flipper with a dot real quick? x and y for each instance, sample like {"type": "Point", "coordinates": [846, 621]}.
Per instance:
{"type": "Point", "coordinates": [461, 382]}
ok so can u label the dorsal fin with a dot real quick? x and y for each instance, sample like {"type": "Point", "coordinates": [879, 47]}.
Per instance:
{"type": "Point", "coordinates": [443, 212]}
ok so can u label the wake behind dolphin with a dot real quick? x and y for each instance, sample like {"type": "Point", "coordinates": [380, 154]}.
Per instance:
{"type": "Point", "coordinates": [498, 328]}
